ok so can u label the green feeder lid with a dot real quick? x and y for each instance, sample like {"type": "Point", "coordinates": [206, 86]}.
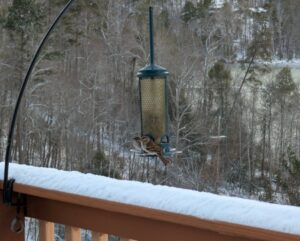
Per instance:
{"type": "Point", "coordinates": [152, 70]}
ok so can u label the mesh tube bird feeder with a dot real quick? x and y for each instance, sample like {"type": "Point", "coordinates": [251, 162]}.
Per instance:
{"type": "Point", "coordinates": [153, 97]}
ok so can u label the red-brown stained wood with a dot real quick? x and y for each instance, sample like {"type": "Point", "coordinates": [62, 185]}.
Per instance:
{"type": "Point", "coordinates": [139, 223]}
{"type": "Point", "coordinates": [46, 231]}
{"type": "Point", "coordinates": [120, 224]}
{"type": "Point", "coordinates": [72, 233]}
{"type": "Point", "coordinates": [7, 214]}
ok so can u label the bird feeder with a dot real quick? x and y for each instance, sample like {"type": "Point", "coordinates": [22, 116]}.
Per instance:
{"type": "Point", "coordinates": [153, 97]}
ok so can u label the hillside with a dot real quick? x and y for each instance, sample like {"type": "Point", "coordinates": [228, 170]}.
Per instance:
{"type": "Point", "coordinates": [81, 109]}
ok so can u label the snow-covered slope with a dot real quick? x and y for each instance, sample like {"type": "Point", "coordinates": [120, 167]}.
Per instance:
{"type": "Point", "coordinates": [199, 204]}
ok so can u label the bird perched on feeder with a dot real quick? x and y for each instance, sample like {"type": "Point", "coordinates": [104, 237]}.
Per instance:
{"type": "Point", "coordinates": [149, 146]}
{"type": "Point", "coordinates": [137, 143]}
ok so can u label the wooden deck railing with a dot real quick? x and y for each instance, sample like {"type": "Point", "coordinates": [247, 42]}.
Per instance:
{"type": "Point", "coordinates": [130, 222]}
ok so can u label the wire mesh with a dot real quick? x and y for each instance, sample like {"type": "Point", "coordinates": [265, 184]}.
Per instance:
{"type": "Point", "coordinates": [153, 105]}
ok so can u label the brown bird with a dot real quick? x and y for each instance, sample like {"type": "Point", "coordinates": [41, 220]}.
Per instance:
{"type": "Point", "coordinates": [137, 143]}
{"type": "Point", "coordinates": [149, 146]}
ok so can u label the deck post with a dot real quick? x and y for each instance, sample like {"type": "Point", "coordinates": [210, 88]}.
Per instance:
{"type": "Point", "coordinates": [7, 214]}
{"type": "Point", "coordinates": [46, 231]}
{"type": "Point", "coordinates": [99, 236]}
{"type": "Point", "coordinates": [72, 234]}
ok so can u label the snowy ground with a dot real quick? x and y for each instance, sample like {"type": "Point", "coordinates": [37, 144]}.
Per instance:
{"type": "Point", "coordinates": [199, 204]}
{"type": "Point", "coordinates": [285, 63]}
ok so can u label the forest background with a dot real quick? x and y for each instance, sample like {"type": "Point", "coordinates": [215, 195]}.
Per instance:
{"type": "Point", "coordinates": [233, 91]}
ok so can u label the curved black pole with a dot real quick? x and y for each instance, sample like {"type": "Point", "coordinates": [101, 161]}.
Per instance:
{"type": "Point", "coordinates": [8, 184]}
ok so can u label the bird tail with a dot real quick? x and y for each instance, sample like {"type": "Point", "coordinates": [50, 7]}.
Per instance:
{"type": "Point", "coordinates": [165, 160]}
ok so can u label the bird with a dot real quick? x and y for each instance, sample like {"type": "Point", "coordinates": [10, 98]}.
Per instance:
{"type": "Point", "coordinates": [149, 146]}
{"type": "Point", "coordinates": [137, 143]}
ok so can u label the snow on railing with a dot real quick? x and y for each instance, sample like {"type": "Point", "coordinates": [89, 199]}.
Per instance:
{"type": "Point", "coordinates": [141, 211]}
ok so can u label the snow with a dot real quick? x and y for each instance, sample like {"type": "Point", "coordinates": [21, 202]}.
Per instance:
{"type": "Point", "coordinates": [198, 204]}
{"type": "Point", "coordinates": [293, 63]}
{"type": "Point", "coordinates": [218, 4]}
{"type": "Point", "coordinates": [258, 10]}
{"type": "Point", "coordinates": [286, 63]}
{"type": "Point", "coordinates": [217, 137]}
